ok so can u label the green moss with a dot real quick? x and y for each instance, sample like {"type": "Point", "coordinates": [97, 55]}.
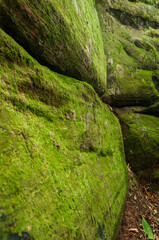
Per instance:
{"type": "Point", "coordinates": [62, 35]}
{"type": "Point", "coordinates": [156, 174]}
{"type": "Point", "coordinates": [62, 168]}
{"type": "Point", "coordinates": [141, 140]}
{"type": "Point", "coordinates": [131, 48]}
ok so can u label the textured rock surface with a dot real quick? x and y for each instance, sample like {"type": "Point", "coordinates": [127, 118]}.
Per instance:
{"type": "Point", "coordinates": [63, 174]}
{"type": "Point", "coordinates": [62, 168]}
{"type": "Point", "coordinates": [141, 141]}
{"type": "Point", "coordinates": [64, 35]}
{"type": "Point", "coordinates": [131, 41]}
{"type": "Point", "coordinates": [130, 35]}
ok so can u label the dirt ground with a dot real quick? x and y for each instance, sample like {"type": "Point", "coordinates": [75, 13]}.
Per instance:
{"type": "Point", "coordinates": [142, 201]}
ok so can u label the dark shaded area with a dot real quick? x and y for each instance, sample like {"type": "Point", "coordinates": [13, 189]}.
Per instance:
{"type": "Point", "coordinates": [154, 3]}
{"type": "Point", "coordinates": [147, 66]}
{"type": "Point", "coordinates": [157, 45]}
{"type": "Point", "coordinates": [128, 19]}
{"type": "Point", "coordinates": [128, 52]}
{"type": "Point", "coordinates": [24, 236]}
{"type": "Point", "coordinates": [154, 35]}
{"type": "Point", "coordinates": [36, 50]}
{"type": "Point", "coordinates": [101, 231]}
{"type": "Point", "coordinates": [147, 46]}
{"type": "Point", "coordinates": [152, 110]}
{"type": "Point", "coordinates": [156, 82]}
{"type": "Point", "coordinates": [139, 44]}
{"type": "Point", "coordinates": [125, 100]}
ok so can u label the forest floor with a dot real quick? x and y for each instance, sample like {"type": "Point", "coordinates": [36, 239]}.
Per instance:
{"type": "Point", "coordinates": [142, 201]}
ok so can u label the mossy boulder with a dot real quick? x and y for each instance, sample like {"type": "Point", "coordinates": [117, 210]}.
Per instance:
{"type": "Point", "coordinates": [130, 36]}
{"type": "Point", "coordinates": [131, 41]}
{"type": "Point", "coordinates": [141, 140]}
{"type": "Point", "coordinates": [63, 172]}
{"type": "Point", "coordinates": [63, 35]}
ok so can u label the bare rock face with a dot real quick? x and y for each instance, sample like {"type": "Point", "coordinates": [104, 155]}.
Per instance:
{"type": "Point", "coordinates": [63, 35]}
{"type": "Point", "coordinates": [63, 172]}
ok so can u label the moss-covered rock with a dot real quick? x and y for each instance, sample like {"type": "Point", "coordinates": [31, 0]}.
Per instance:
{"type": "Point", "coordinates": [63, 35]}
{"type": "Point", "coordinates": [130, 35]}
{"type": "Point", "coordinates": [62, 168]}
{"type": "Point", "coordinates": [141, 140]}
{"type": "Point", "coordinates": [131, 41]}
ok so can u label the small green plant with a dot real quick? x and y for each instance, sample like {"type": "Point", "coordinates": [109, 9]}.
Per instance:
{"type": "Point", "coordinates": [147, 229]}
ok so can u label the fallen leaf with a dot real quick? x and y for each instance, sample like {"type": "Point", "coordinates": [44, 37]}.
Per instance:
{"type": "Point", "coordinates": [147, 228]}
{"type": "Point", "coordinates": [133, 230]}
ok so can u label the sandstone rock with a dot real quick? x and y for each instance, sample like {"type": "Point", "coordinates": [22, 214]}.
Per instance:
{"type": "Point", "coordinates": [130, 35]}
{"type": "Point", "coordinates": [63, 35]}
{"type": "Point", "coordinates": [141, 140]}
{"type": "Point", "coordinates": [63, 172]}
